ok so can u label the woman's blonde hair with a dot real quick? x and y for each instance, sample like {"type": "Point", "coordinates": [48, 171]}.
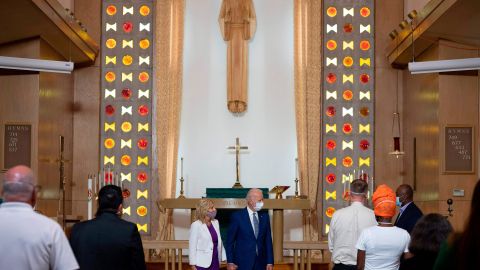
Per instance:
{"type": "Point", "coordinates": [202, 209]}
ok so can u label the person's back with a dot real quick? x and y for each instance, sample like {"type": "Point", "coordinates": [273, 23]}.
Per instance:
{"type": "Point", "coordinates": [108, 242]}
{"type": "Point", "coordinates": [29, 240]}
{"type": "Point", "coordinates": [383, 247]}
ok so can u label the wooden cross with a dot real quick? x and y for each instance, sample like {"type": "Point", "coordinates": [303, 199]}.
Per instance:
{"type": "Point", "coordinates": [237, 147]}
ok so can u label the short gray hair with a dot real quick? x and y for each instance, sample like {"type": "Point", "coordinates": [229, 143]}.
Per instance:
{"type": "Point", "coordinates": [23, 189]}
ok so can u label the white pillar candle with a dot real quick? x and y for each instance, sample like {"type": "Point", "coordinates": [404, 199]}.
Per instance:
{"type": "Point", "coordinates": [90, 198]}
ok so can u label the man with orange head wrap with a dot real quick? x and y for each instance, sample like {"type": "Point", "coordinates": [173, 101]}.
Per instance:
{"type": "Point", "coordinates": [380, 247]}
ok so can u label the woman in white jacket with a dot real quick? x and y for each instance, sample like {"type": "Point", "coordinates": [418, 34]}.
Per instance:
{"type": "Point", "coordinates": [205, 243]}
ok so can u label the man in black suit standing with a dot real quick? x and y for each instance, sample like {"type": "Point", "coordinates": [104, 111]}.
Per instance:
{"type": "Point", "coordinates": [409, 213]}
{"type": "Point", "coordinates": [107, 241]}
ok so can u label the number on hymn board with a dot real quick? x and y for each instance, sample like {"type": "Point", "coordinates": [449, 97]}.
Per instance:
{"type": "Point", "coordinates": [458, 149]}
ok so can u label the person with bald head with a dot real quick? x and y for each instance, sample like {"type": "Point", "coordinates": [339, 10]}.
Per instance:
{"type": "Point", "coordinates": [29, 240]}
{"type": "Point", "coordinates": [249, 241]}
{"type": "Point", "coordinates": [409, 213]}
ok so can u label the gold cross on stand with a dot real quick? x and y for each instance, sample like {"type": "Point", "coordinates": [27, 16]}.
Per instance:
{"type": "Point", "coordinates": [237, 149]}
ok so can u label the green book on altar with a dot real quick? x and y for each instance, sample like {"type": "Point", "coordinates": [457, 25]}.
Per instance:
{"type": "Point", "coordinates": [223, 215]}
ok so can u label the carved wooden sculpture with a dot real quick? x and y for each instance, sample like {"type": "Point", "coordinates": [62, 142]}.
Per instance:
{"type": "Point", "coordinates": [237, 23]}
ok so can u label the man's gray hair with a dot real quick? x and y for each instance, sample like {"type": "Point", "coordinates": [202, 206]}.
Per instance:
{"type": "Point", "coordinates": [17, 189]}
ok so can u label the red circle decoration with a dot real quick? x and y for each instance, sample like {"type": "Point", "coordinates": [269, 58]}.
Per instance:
{"type": "Point", "coordinates": [331, 144]}
{"type": "Point", "coordinates": [142, 144]}
{"type": "Point", "coordinates": [364, 144]}
{"type": "Point", "coordinates": [143, 110]}
{"type": "Point", "coordinates": [125, 193]}
{"type": "Point", "coordinates": [347, 128]}
{"type": "Point", "coordinates": [109, 110]}
{"type": "Point", "coordinates": [364, 78]}
{"type": "Point", "coordinates": [127, 27]}
{"type": "Point", "coordinates": [329, 212]}
{"type": "Point", "coordinates": [348, 28]}
{"type": "Point", "coordinates": [331, 178]}
{"type": "Point", "coordinates": [142, 177]}
{"type": "Point", "coordinates": [364, 45]}
{"type": "Point", "coordinates": [330, 112]}
{"type": "Point", "coordinates": [364, 111]}
{"type": "Point", "coordinates": [331, 78]}
{"type": "Point", "coordinates": [126, 93]}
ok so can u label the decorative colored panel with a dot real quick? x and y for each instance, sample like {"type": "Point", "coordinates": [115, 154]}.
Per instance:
{"type": "Point", "coordinates": [347, 99]}
{"type": "Point", "coordinates": [126, 118]}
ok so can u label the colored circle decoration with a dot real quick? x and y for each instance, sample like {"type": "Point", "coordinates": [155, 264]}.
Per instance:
{"type": "Point", "coordinates": [144, 43]}
{"type": "Point", "coordinates": [127, 27]}
{"type": "Point", "coordinates": [143, 77]}
{"type": "Point", "coordinates": [331, 44]}
{"type": "Point", "coordinates": [365, 12]}
{"type": "Point", "coordinates": [109, 143]}
{"type": "Point", "coordinates": [331, 178]}
{"type": "Point", "coordinates": [348, 61]}
{"type": "Point", "coordinates": [111, 10]}
{"type": "Point", "coordinates": [144, 10]}
{"type": "Point", "coordinates": [126, 160]}
{"type": "Point", "coordinates": [331, 78]}
{"type": "Point", "coordinates": [347, 161]}
{"type": "Point", "coordinates": [127, 60]}
{"type": "Point", "coordinates": [331, 12]}
{"type": "Point", "coordinates": [142, 144]}
{"type": "Point", "coordinates": [364, 111]}
{"type": "Point", "coordinates": [142, 177]}
{"type": "Point", "coordinates": [142, 211]}
{"type": "Point", "coordinates": [126, 93]}
{"type": "Point", "coordinates": [110, 43]}
{"type": "Point", "coordinates": [143, 110]}
{"type": "Point", "coordinates": [347, 95]}
{"type": "Point", "coordinates": [109, 110]}
{"type": "Point", "coordinates": [110, 76]}
{"type": "Point", "coordinates": [364, 78]}
{"type": "Point", "coordinates": [346, 195]}
{"type": "Point", "coordinates": [329, 212]}
{"type": "Point", "coordinates": [125, 193]}
{"type": "Point", "coordinates": [364, 45]}
{"type": "Point", "coordinates": [331, 144]}
{"type": "Point", "coordinates": [364, 144]}
{"type": "Point", "coordinates": [348, 28]}
{"type": "Point", "coordinates": [126, 126]}
{"type": "Point", "coordinates": [347, 128]}
{"type": "Point", "coordinates": [330, 112]}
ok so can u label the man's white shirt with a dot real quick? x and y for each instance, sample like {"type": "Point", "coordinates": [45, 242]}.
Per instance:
{"type": "Point", "coordinates": [346, 226]}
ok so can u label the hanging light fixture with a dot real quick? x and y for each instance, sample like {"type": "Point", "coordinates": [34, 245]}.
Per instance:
{"type": "Point", "coordinates": [396, 129]}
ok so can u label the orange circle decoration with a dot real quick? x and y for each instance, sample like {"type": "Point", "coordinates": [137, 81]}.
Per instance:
{"type": "Point", "coordinates": [329, 212]}
{"type": "Point", "coordinates": [144, 10]}
{"type": "Point", "coordinates": [331, 12]}
{"type": "Point", "coordinates": [127, 60]}
{"type": "Point", "coordinates": [110, 43]}
{"type": "Point", "coordinates": [365, 12]}
{"type": "Point", "coordinates": [347, 95]}
{"type": "Point", "coordinates": [143, 77]}
{"type": "Point", "coordinates": [109, 143]}
{"type": "Point", "coordinates": [348, 28]}
{"type": "Point", "coordinates": [142, 211]}
{"type": "Point", "coordinates": [142, 177]}
{"type": "Point", "coordinates": [126, 126]}
{"type": "Point", "coordinates": [331, 44]}
{"type": "Point", "coordinates": [347, 128]}
{"type": "Point", "coordinates": [110, 76]}
{"type": "Point", "coordinates": [347, 161]}
{"type": "Point", "coordinates": [111, 10]}
{"type": "Point", "coordinates": [364, 111]}
{"type": "Point", "coordinates": [348, 61]}
{"type": "Point", "coordinates": [144, 43]}
{"type": "Point", "coordinates": [126, 160]}
{"type": "Point", "coordinates": [331, 78]}
{"type": "Point", "coordinates": [364, 45]}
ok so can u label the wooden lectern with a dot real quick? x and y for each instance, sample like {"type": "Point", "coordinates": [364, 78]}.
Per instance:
{"type": "Point", "coordinates": [277, 205]}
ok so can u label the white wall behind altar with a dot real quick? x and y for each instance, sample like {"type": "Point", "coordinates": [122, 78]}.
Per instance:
{"type": "Point", "coordinates": [267, 128]}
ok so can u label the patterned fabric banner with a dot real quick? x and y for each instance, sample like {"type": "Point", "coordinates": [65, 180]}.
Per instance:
{"type": "Point", "coordinates": [348, 100]}
{"type": "Point", "coordinates": [126, 104]}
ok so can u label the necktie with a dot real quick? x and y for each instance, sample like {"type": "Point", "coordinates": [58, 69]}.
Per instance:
{"type": "Point", "coordinates": [255, 224]}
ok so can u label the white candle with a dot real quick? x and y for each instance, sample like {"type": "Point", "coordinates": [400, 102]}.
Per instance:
{"type": "Point", "coordinates": [181, 167]}
{"type": "Point", "coordinates": [90, 196]}
{"type": "Point", "coordinates": [296, 168]}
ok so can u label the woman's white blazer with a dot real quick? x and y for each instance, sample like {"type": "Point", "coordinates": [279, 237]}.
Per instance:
{"type": "Point", "coordinates": [200, 244]}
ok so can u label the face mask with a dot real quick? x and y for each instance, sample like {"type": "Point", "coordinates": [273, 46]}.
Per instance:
{"type": "Point", "coordinates": [258, 206]}
{"type": "Point", "coordinates": [212, 214]}
{"type": "Point", "coordinates": [398, 202]}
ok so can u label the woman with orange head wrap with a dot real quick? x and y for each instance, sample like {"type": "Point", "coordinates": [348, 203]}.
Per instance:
{"type": "Point", "coordinates": [380, 247]}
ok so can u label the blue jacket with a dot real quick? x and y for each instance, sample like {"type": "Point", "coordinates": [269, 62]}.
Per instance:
{"type": "Point", "coordinates": [409, 218]}
{"type": "Point", "coordinates": [241, 245]}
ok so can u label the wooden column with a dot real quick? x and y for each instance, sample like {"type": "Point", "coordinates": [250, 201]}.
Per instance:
{"type": "Point", "coordinates": [278, 235]}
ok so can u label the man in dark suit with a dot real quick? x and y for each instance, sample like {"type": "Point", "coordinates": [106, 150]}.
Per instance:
{"type": "Point", "coordinates": [249, 240]}
{"type": "Point", "coordinates": [409, 213]}
{"type": "Point", "coordinates": [108, 242]}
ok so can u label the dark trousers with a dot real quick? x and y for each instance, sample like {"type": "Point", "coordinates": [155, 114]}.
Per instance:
{"type": "Point", "coordinates": [341, 266]}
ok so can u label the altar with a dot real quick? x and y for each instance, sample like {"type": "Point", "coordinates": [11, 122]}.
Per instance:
{"type": "Point", "coordinates": [277, 205]}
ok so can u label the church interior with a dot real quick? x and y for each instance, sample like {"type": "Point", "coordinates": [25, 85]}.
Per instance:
{"type": "Point", "coordinates": [174, 100]}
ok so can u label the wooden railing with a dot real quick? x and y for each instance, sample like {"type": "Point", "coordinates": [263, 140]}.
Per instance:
{"type": "Point", "coordinates": [305, 249]}
{"type": "Point", "coordinates": [172, 251]}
